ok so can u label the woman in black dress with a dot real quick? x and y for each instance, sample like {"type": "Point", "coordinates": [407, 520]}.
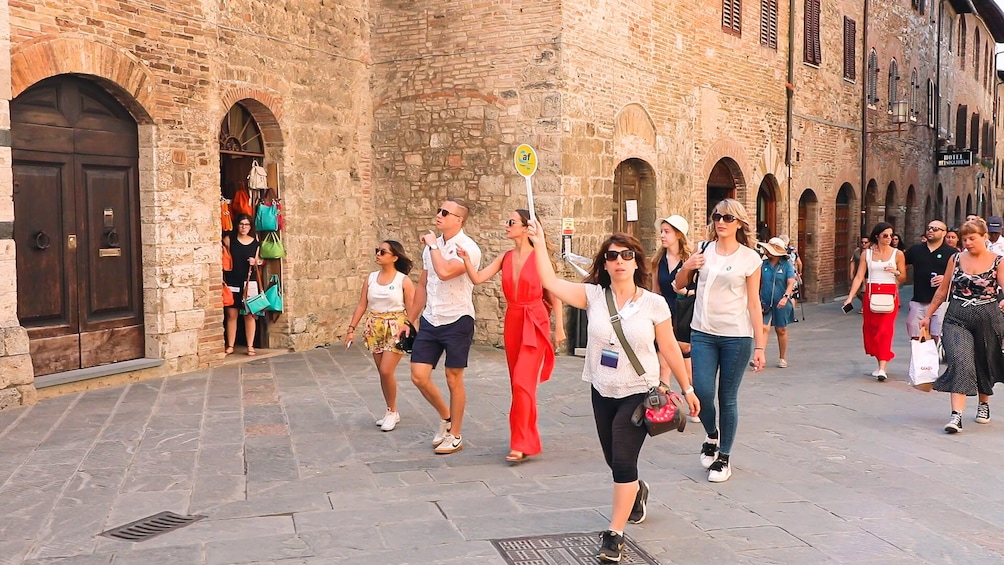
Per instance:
{"type": "Point", "coordinates": [243, 246]}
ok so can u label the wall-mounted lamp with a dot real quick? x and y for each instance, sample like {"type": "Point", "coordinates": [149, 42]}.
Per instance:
{"type": "Point", "coordinates": [900, 112]}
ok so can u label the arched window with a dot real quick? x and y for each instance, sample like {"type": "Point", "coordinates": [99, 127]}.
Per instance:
{"type": "Point", "coordinates": [974, 134]}
{"type": "Point", "coordinates": [962, 40]}
{"type": "Point", "coordinates": [873, 71]}
{"type": "Point", "coordinates": [976, 54]}
{"type": "Point", "coordinates": [893, 84]}
{"type": "Point", "coordinates": [961, 116]}
{"type": "Point", "coordinates": [930, 103]}
{"type": "Point", "coordinates": [914, 88]}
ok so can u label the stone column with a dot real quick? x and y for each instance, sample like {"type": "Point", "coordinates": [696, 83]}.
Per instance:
{"type": "Point", "coordinates": [16, 375]}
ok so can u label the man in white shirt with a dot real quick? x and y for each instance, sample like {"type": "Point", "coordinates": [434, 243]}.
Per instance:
{"type": "Point", "coordinates": [445, 298]}
{"type": "Point", "coordinates": [995, 242]}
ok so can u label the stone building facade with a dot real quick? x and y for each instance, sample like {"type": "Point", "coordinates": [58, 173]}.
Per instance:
{"type": "Point", "coordinates": [367, 115]}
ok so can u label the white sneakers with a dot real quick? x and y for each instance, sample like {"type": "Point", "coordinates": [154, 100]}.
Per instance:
{"type": "Point", "coordinates": [720, 471]}
{"type": "Point", "coordinates": [782, 364]}
{"type": "Point", "coordinates": [709, 452]}
{"type": "Point", "coordinates": [389, 421]}
{"type": "Point", "coordinates": [449, 444]}
{"type": "Point", "coordinates": [880, 375]}
{"type": "Point", "coordinates": [441, 433]}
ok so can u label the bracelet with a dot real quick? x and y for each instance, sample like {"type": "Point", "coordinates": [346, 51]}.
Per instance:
{"type": "Point", "coordinates": [352, 328]}
{"type": "Point", "coordinates": [688, 391]}
{"type": "Point", "coordinates": [755, 348]}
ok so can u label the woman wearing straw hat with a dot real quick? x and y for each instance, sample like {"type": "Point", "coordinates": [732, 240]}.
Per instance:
{"type": "Point", "coordinates": [777, 281]}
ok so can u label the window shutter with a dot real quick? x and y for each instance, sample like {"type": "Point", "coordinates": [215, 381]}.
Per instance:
{"type": "Point", "coordinates": [812, 47]}
{"type": "Point", "coordinates": [850, 47]}
{"type": "Point", "coordinates": [732, 14]}
{"type": "Point", "coordinates": [768, 23]}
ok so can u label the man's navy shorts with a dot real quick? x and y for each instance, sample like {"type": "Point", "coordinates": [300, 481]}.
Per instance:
{"type": "Point", "coordinates": [454, 338]}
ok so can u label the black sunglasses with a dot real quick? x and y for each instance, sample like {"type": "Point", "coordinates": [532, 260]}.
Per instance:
{"type": "Point", "coordinates": [728, 218]}
{"type": "Point", "coordinates": [934, 228]}
{"type": "Point", "coordinates": [444, 213]}
{"type": "Point", "coordinates": [511, 222]}
{"type": "Point", "coordinates": [625, 254]}
{"type": "Point", "coordinates": [381, 252]}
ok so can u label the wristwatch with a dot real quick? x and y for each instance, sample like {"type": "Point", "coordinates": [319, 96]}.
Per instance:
{"type": "Point", "coordinates": [434, 246]}
{"type": "Point", "coordinates": [785, 296]}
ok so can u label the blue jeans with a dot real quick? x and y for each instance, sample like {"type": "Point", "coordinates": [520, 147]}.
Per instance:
{"type": "Point", "coordinates": [727, 358]}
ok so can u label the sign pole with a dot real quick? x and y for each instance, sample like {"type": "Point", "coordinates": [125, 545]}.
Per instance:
{"type": "Point", "coordinates": [525, 161]}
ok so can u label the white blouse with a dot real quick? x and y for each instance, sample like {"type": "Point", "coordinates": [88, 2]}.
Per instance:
{"type": "Point", "coordinates": [721, 306]}
{"type": "Point", "coordinates": [385, 297]}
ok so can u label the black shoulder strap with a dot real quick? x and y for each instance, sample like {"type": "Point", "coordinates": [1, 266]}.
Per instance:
{"type": "Point", "coordinates": [615, 321]}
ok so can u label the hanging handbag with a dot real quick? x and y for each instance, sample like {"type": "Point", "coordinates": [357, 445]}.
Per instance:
{"type": "Point", "coordinates": [683, 314]}
{"type": "Point", "coordinates": [271, 247]}
{"type": "Point", "coordinates": [267, 217]}
{"type": "Point", "coordinates": [258, 177]}
{"type": "Point", "coordinates": [254, 303]}
{"type": "Point", "coordinates": [274, 294]}
{"type": "Point", "coordinates": [662, 410]}
{"type": "Point", "coordinates": [228, 295]}
{"type": "Point", "coordinates": [228, 259]}
{"type": "Point", "coordinates": [241, 204]}
{"type": "Point", "coordinates": [879, 303]}
{"type": "Point", "coordinates": [226, 220]}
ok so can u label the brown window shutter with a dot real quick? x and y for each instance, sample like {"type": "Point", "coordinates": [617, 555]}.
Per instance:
{"type": "Point", "coordinates": [850, 47]}
{"type": "Point", "coordinates": [812, 47]}
{"type": "Point", "coordinates": [768, 23]}
{"type": "Point", "coordinates": [732, 12]}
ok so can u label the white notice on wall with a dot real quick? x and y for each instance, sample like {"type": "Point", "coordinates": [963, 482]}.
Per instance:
{"type": "Point", "coordinates": [631, 210]}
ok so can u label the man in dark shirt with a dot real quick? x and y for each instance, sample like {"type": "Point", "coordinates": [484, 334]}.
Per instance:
{"type": "Point", "coordinates": [929, 262]}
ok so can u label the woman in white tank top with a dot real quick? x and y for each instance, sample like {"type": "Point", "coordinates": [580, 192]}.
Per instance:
{"type": "Point", "coordinates": [387, 294]}
{"type": "Point", "coordinates": [882, 269]}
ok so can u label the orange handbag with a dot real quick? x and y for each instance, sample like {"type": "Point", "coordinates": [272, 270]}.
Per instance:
{"type": "Point", "coordinates": [228, 295]}
{"type": "Point", "coordinates": [241, 203]}
{"type": "Point", "coordinates": [228, 259]}
{"type": "Point", "coordinates": [226, 220]}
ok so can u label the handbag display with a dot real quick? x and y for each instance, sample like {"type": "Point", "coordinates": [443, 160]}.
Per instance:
{"type": "Point", "coordinates": [271, 247]}
{"type": "Point", "coordinates": [660, 411]}
{"type": "Point", "coordinates": [255, 301]}
{"type": "Point", "coordinates": [267, 217]}
{"type": "Point", "coordinates": [880, 303]}
{"type": "Point", "coordinates": [274, 294]}
{"type": "Point", "coordinates": [258, 177]}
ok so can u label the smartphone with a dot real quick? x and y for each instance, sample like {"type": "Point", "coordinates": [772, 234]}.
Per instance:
{"type": "Point", "coordinates": [847, 308]}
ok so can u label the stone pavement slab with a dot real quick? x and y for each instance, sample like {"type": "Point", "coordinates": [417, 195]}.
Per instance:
{"type": "Point", "coordinates": [282, 456]}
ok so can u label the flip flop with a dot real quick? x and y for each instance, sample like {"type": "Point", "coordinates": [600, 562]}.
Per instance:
{"type": "Point", "coordinates": [516, 457]}
{"type": "Point", "coordinates": [229, 350]}
{"type": "Point", "coordinates": [251, 352]}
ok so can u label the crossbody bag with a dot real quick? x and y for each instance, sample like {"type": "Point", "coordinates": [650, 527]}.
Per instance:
{"type": "Point", "coordinates": [880, 303]}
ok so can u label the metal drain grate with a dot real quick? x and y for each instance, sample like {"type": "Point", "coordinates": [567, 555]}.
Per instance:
{"type": "Point", "coordinates": [564, 548]}
{"type": "Point", "coordinates": [151, 526]}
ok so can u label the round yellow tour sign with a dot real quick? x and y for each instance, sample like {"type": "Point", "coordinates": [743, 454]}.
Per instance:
{"type": "Point", "coordinates": [525, 159]}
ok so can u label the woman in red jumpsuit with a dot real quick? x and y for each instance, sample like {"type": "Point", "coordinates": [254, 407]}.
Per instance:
{"type": "Point", "coordinates": [527, 332]}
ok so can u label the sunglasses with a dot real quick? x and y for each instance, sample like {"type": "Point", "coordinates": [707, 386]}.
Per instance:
{"type": "Point", "coordinates": [934, 228]}
{"type": "Point", "coordinates": [381, 252]}
{"type": "Point", "coordinates": [625, 254]}
{"type": "Point", "coordinates": [510, 222]}
{"type": "Point", "coordinates": [884, 235]}
{"type": "Point", "coordinates": [727, 218]}
{"type": "Point", "coordinates": [444, 213]}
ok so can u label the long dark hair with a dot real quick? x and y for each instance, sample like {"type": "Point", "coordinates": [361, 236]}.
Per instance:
{"type": "Point", "coordinates": [878, 229]}
{"type": "Point", "coordinates": [403, 263]}
{"type": "Point", "coordinates": [598, 273]}
{"type": "Point", "coordinates": [237, 223]}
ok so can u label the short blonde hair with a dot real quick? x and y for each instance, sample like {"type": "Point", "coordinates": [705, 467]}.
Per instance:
{"type": "Point", "coordinates": [973, 226]}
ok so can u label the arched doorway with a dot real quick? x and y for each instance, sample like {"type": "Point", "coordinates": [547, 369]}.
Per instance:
{"type": "Point", "coordinates": [969, 204]}
{"type": "Point", "coordinates": [634, 201]}
{"type": "Point", "coordinates": [766, 208]}
{"type": "Point", "coordinates": [873, 210]}
{"type": "Point", "coordinates": [808, 214]}
{"type": "Point", "coordinates": [241, 144]}
{"type": "Point", "coordinates": [724, 181]}
{"type": "Point", "coordinates": [942, 204]}
{"type": "Point", "coordinates": [76, 225]}
{"type": "Point", "coordinates": [891, 213]}
{"type": "Point", "coordinates": [910, 233]}
{"type": "Point", "coordinates": [843, 242]}
{"type": "Point", "coordinates": [929, 209]}
{"type": "Point", "coordinates": [958, 211]}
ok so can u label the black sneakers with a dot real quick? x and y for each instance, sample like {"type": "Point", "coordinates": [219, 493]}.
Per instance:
{"type": "Point", "coordinates": [611, 547]}
{"type": "Point", "coordinates": [954, 424]}
{"type": "Point", "coordinates": [983, 413]}
{"type": "Point", "coordinates": [640, 510]}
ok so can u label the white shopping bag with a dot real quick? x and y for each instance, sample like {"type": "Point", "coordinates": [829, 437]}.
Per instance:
{"type": "Point", "coordinates": [923, 363]}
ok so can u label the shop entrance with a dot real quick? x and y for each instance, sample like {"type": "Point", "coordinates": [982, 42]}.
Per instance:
{"type": "Point", "coordinates": [76, 225]}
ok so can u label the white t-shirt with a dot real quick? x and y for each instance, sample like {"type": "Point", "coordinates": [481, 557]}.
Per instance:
{"type": "Point", "coordinates": [996, 246]}
{"type": "Point", "coordinates": [638, 320]}
{"type": "Point", "coordinates": [448, 301]}
{"type": "Point", "coordinates": [385, 297]}
{"type": "Point", "coordinates": [721, 306]}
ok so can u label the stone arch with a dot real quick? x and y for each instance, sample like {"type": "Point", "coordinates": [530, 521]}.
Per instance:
{"type": "Point", "coordinates": [119, 72]}
{"type": "Point", "coordinates": [735, 157]}
{"type": "Point", "coordinates": [265, 107]}
{"type": "Point", "coordinates": [724, 181]}
{"type": "Point", "coordinates": [807, 243]}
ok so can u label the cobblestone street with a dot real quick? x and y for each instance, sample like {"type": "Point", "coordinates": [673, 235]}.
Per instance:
{"type": "Point", "coordinates": [282, 457]}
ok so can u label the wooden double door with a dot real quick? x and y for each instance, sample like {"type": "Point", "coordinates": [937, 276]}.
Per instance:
{"type": "Point", "coordinates": [76, 226]}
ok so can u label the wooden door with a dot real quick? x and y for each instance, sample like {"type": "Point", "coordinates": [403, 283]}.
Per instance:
{"type": "Point", "coordinates": [627, 187]}
{"type": "Point", "coordinates": [76, 216]}
{"type": "Point", "coordinates": [842, 247]}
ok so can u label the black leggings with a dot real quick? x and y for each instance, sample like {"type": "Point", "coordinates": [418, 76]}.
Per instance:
{"type": "Point", "coordinates": [621, 440]}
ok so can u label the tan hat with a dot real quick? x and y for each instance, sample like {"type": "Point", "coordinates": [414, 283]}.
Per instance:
{"type": "Point", "coordinates": [676, 221]}
{"type": "Point", "coordinates": [775, 246]}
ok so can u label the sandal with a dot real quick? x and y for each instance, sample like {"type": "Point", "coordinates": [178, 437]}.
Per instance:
{"type": "Point", "coordinates": [516, 457]}
{"type": "Point", "coordinates": [251, 352]}
{"type": "Point", "coordinates": [228, 350]}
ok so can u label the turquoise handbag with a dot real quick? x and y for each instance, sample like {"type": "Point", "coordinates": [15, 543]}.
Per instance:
{"type": "Point", "coordinates": [259, 302]}
{"type": "Point", "coordinates": [266, 218]}
{"type": "Point", "coordinates": [274, 294]}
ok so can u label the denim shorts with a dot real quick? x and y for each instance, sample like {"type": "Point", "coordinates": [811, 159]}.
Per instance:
{"type": "Point", "coordinates": [455, 338]}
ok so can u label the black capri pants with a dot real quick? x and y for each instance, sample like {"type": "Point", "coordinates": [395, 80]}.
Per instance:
{"type": "Point", "coordinates": [620, 439]}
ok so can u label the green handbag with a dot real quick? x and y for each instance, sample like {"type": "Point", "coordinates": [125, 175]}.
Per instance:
{"type": "Point", "coordinates": [271, 247]}
{"type": "Point", "coordinates": [274, 294]}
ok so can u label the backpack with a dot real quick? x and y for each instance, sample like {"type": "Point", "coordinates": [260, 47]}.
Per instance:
{"type": "Point", "coordinates": [258, 177]}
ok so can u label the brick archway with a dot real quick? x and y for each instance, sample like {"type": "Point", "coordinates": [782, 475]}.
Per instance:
{"type": "Point", "coordinates": [120, 73]}
{"type": "Point", "coordinates": [265, 107]}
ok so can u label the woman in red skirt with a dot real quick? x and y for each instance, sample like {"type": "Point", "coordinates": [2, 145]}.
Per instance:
{"type": "Point", "coordinates": [527, 333]}
{"type": "Point", "coordinates": [882, 269]}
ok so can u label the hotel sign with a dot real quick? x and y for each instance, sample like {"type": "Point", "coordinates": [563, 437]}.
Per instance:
{"type": "Point", "coordinates": [955, 158]}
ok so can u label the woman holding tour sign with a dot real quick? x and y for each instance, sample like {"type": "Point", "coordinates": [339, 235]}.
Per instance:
{"type": "Point", "coordinates": [618, 281]}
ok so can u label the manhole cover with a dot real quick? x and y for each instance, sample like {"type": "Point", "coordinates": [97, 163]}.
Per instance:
{"type": "Point", "coordinates": [564, 548]}
{"type": "Point", "coordinates": [151, 526]}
